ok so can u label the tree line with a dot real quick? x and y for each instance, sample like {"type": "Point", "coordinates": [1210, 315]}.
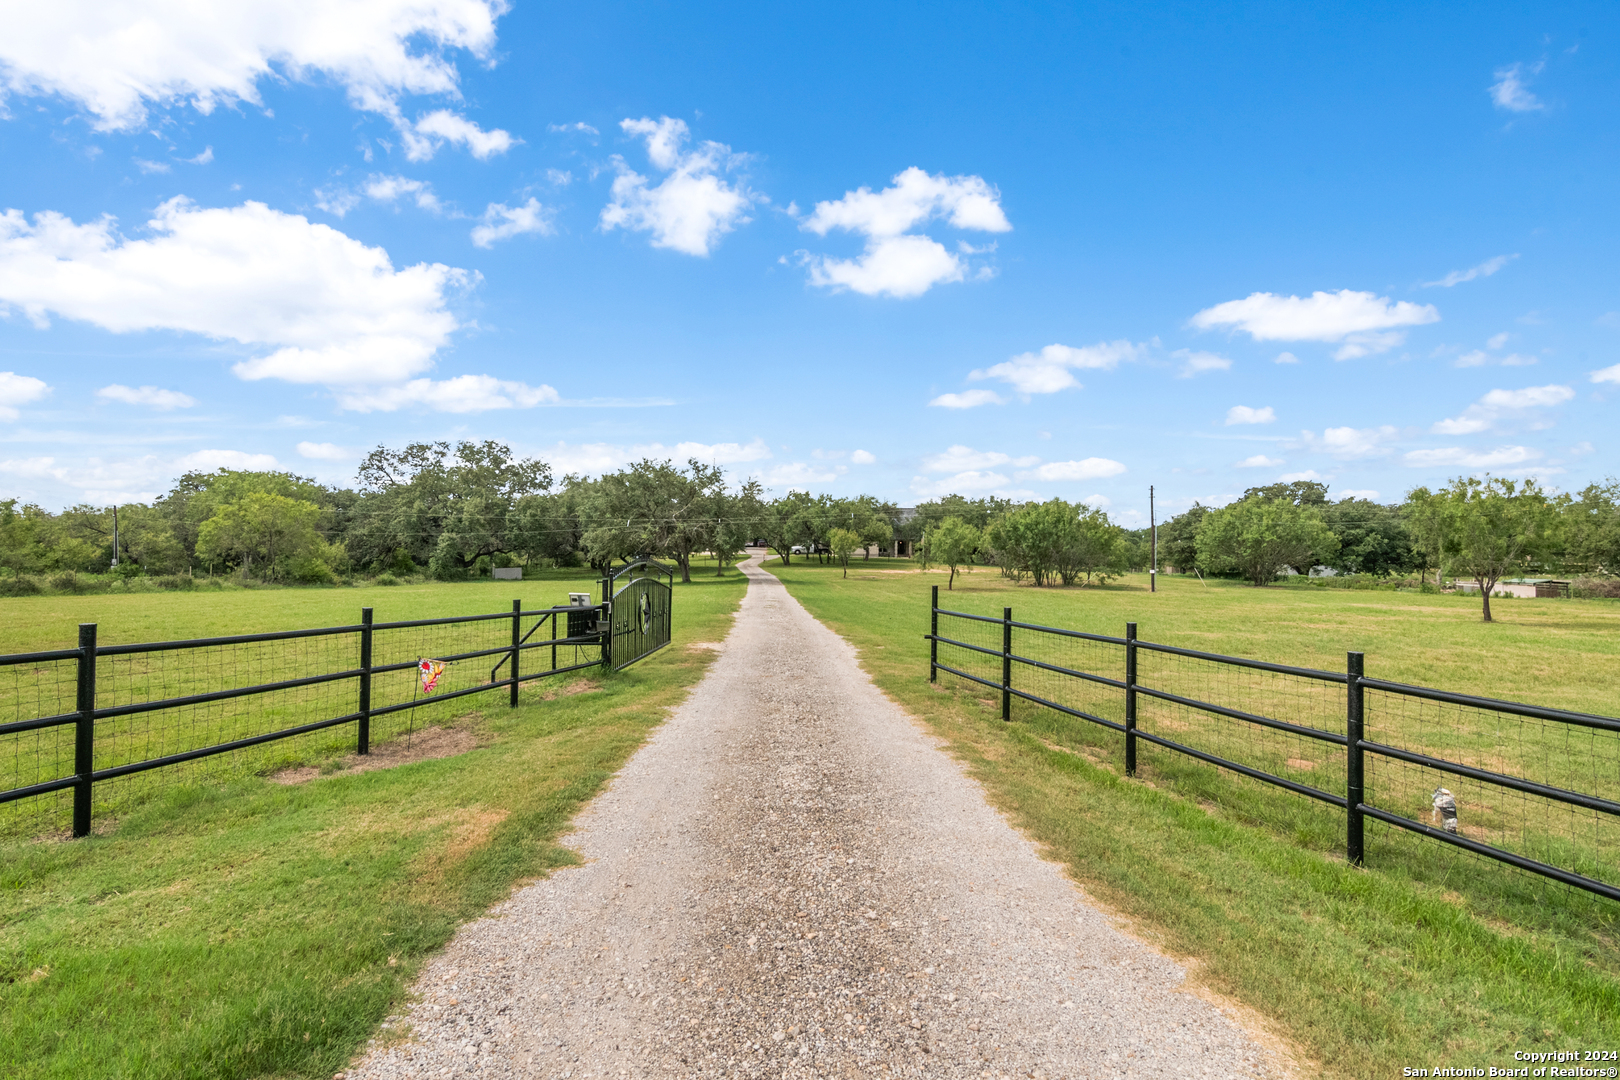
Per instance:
{"type": "Point", "coordinates": [453, 510]}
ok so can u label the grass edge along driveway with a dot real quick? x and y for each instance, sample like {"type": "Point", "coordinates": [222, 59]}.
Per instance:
{"type": "Point", "coordinates": [1363, 972]}
{"type": "Point", "coordinates": [261, 930]}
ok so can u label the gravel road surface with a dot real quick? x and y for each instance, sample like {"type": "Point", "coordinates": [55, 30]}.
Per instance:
{"type": "Point", "coordinates": [791, 879]}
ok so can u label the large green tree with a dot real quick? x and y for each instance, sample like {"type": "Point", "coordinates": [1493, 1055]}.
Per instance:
{"type": "Point", "coordinates": [263, 531]}
{"type": "Point", "coordinates": [1592, 528]}
{"type": "Point", "coordinates": [1178, 538]}
{"type": "Point", "coordinates": [1260, 537]}
{"type": "Point", "coordinates": [1492, 527]}
{"type": "Point", "coordinates": [1373, 538]}
{"type": "Point", "coordinates": [954, 542]}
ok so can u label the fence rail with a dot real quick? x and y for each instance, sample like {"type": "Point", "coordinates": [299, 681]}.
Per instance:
{"type": "Point", "coordinates": [218, 695]}
{"type": "Point", "coordinates": [1520, 769]}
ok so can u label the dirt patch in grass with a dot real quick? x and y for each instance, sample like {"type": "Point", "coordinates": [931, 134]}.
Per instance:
{"type": "Point", "coordinates": [705, 646]}
{"type": "Point", "coordinates": [424, 745]}
{"type": "Point", "coordinates": [1301, 763]}
{"type": "Point", "coordinates": [579, 686]}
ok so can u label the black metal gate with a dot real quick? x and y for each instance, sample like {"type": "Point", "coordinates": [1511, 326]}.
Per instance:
{"type": "Point", "coordinates": [640, 619]}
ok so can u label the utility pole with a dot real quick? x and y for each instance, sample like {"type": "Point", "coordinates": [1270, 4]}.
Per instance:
{"type": "Point", "coordinates": [1153, 529]}
{"type": "Point", "coordinates": [115, 535]}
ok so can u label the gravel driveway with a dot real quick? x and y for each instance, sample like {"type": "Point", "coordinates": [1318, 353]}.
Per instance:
{"type": "Point", "coordinates": [791, 879]}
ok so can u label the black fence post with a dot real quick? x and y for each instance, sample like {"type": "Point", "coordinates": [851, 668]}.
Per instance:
{"type": "Point", "coordinates": [365, 682]}
{"type": "Point", "coordinates": [1006, 663]}
{"type": "Point", "coordinates": [554, 641]}
{"type": "Point", "coordinates": [1355, 778]}
{"type": "Point", "coordinates": [933, 637]}
{"type": "Point", "coordinates": [606, 622]}
{"type": "Point", "coordinates": [517, 612]}
{"type": "Point", "coordinates": [84, 741]}
{"type": "Point", "coordinates": [1130, 699]}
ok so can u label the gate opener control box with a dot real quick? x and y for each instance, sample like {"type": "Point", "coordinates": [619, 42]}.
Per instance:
{"type": "Point", "coordinates": [581, 623]}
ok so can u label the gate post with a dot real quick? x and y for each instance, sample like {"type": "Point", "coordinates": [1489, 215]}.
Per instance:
{"type": "Point", "coordinates": [517, 611]}
{"type": "Point", "coordinates": [1130, 699]}
{"type": "Point", "coordinates": [933, 637]}
{"type": "Point", "coordinates": [1006, 663]}
{"type": "Point", "coordinates": [365, 682]}
{"type": "Point", "coordinates": [84, 733]}
{"type": "Point", "coordinates": [1355, 779]}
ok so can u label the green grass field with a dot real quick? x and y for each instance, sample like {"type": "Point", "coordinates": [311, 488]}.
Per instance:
{"type": "Point", "coordinates": [247, 928]}
{"type": "Point", "coordinates": [1429, 956]}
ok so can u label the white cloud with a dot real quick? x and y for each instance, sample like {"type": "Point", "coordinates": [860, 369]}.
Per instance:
{"type": "Point", "coordinates": [970, 482]}
{"type": "Point", "coordinates": [19, 390]}
{"type": "Point", "coordinates": [462, 394]}
{"type": "Point", "coordinates": [1509, 91]}
{"type": "Point", "coordinates": [1091, 468]}
{"type": "Point", "coordinates": [1101, 502]}
{"type": "Point", "coordinates": [1457, 457]}
{"type": "Point", "coordinates": [149, 167]}
{"type": "Point", "coordinates": [966, 459]}
{"type": "Point", "coordinates": [1358, 493]}
{"type": "Point", "coordinates": [203, 158]}
{"type": "Point", "coordinates": [423, 139]}
{"type": "Point", "coordinates": [1364, 322]}
{"type": "Point", "coordinates": [325, 451]}
{"type": "Point", "coordinates": [147, 395]}
{"type": "Point", "coordinates": [1196, 363]}
{"type": "Point", "coordinates": [692, 207]}
{"type": "Point", "coordinates": [862, 457]}
{"type": "Point", "coordinates": [559, 177]}
{"type": "Point", "coordinates": [1260, 461]}
{"type": "Point", "coordinates": [897, 262]}
{"type": "Point", "coordinates": [1501, 404]}
{"type": "Point", "coordinates": [116, 59]}
{"type": "Point", "coordinates": [212, 460]}
{"type": "Point", "coordinates": [798, 474]}
{"type": "Point", "coordinates": [1519, 360]}
{"type": "Point", "coordinates": [130, 479]}
{"type": "Point", "coordinates": [531, 217]}
{"type": "Point", "coordinates": [579, 126]}
{"type": "Point", "coordinates": [1496, 341]}
{"type": "Point", "coordinates": [389, 188]}
{"type": "Point", "coordinates": [967, 399]}
{"type": "Point", "coordinates": [1243, 414]}
{"type": "Point", "coordinates": [1051, 369]}
{"type": "Point", "coordinates": [329, 309]}
{"type": "Point", "coordinates": [1286, 358]}
{"type": "Point", "coordinates": [1608, 374]}
{"type": "Point", "coordinates": [1293, 477]}
{"type": "Point", "coordinates": [1349, 442]}
{"type": "Point", "coordinates": [1484, 269]}
{"type": "Point", "coordinates": [1471, 359]}
{"type": "Point", "coordinates": [336, 201]}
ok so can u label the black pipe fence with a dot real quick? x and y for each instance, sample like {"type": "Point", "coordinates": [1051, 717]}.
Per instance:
{"type": "Point", "coordinates": [1532, 787]}
{"type": "Point", "coordinates": [101, 725]}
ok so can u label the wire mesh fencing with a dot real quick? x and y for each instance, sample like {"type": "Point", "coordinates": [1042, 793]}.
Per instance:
{"type": "Point", "coordinates": [109, 725]}
{"type": "Point", "coordinates": [1536, 788]}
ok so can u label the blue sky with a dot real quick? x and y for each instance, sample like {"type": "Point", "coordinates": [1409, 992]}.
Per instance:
{"type": "Point", "coordinates": [1032, 250]}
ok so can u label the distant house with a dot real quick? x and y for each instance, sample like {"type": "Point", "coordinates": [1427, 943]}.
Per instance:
{"type": "Point", "coordinates": [1526, 588]}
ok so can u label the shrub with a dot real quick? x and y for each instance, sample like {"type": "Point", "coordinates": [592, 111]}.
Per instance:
{"type": "Point", "coordinates": [309, 570]}
{"type": "Point", "coordinates": [69, 581]}
{"type": "Point", "coordinates": [19, 585]}
{"type": "Point", "coordinates": [385, 578]}
{"type": "Point", "coordinates": [1595, 588]}
{"type": "Point", "coordinates": [175, 582]}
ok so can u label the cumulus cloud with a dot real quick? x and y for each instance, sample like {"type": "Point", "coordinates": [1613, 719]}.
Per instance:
{"type": "Point", "coordinates": [863, 457]}
{"type": "Point", "coordinates": [854, 457]}
{"type": "Point", "coordinates": [692, 207]}
{"type": "Point", "coordinates": [502, 222]}
{"type": "Point", "coordinates": [115, 60]}
{"type": "Point", "coordinates": [423, 139]}
{"type": "Point", "coordinates": [1286, 358]}
{"type": "Point", "coordinates": [966, 459]}
{"type": "Point", "coordinates": [1196, 363]}
{"type": "Point", "coordinates": [1498, 405]}
{"type": "Point", "coordinates": [1243, 414]}
{"type": "Point", "coordinates": [1484, 269]}
{"type": "Point", "coordinates": [389, 188]}
{"type": "Point", "coordinates": [1260, 461]}
{"type": "Point", "coordinates": [130, 479]}
{"type": "Point", "coordinates": [19, 390]}
{"type": "Point", "coordinates": [1051, 369]}
{"type": "Point", "coordinates": [1091, 468]}
{"type": "Point", "coordinates": [325, 451]}
{"type": "Point", "coordinates": [1294, 477]}
{"type": "Point", "coordinates": [579, 126]}
{"type": "Point", "coordinates": [1348, 442]}
{"type": "Point", "coordinates": [149, 167]}
{"type": "Point", "coordinates": [147, 395]}
{"type": "Point", "coordinates": [1510, 92]}
{"type": "Point", "coordinates": [333, 310]}
{"type": "Point", "coordinates": [967, 399]}
{"type": "Point", "coordinates": [316, 306]}
{"type": "Point", "coordinates": [1608, 374]}
{"type": "Point", "coordinates": [970, 482]}
{"type": "Point", "coordinates": [898, 262]}
{"type": "Point", "coordinates": [1365, 323]}
{"type": "Point", "coordinates": [462, 394]}
{"type": "Point", "coordinates": [1457, 457]}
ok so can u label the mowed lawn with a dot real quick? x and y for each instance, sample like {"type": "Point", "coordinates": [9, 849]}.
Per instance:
{"type": "Point", "coordinates": [250, 928]}
{"type": "Point", "coordinates": [1426, 958]}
